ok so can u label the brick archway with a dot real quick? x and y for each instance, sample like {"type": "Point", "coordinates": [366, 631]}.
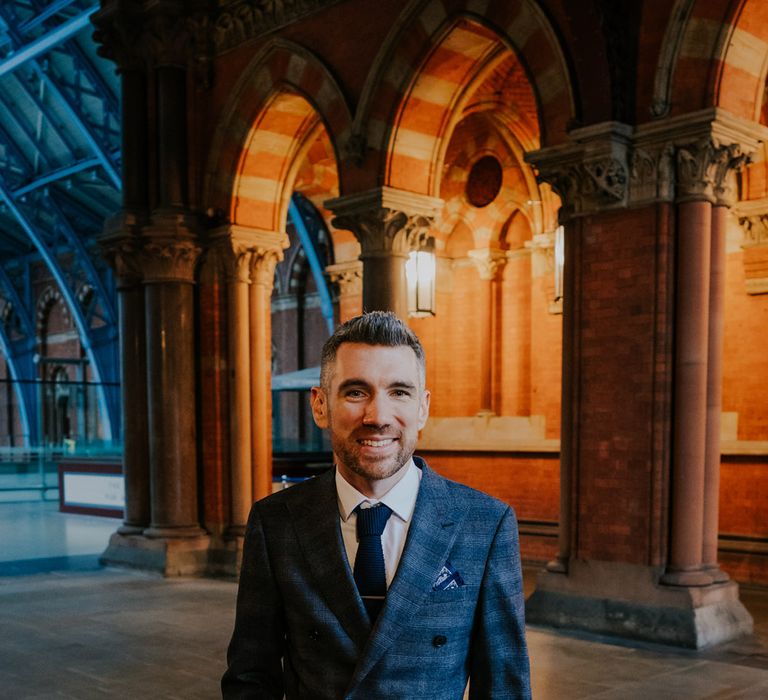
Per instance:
{"type": "Point", "coordinates": [282, 101]}
{"type": "Point", "coordinates": [408, 121]}
{"type": "Point", "coordinates": [728, 47]}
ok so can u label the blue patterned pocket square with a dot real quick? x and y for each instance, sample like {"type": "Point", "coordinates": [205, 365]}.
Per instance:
{"type": "Point", "coordinates": [447, 579]}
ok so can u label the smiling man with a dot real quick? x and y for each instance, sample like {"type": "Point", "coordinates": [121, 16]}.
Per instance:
{"type": "Point", "coordinates": [379, 579]}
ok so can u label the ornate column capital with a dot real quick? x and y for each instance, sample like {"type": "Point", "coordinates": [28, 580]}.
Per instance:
{"type": "Point", "coordinates": [348, 276]}
{"type": "Point", "coordinates": [246, 252]}
{"type": "Point", "coordinates": [168, 38]}
{"type": "Point", "coordinates": [705, 169]}
{"type": "Point", "coordinates": [164, 33]}
{"type": "Point", "coordinates": [591, 173]}
{"type": "Point", "coordinates": [612, 165]}
{"type": "Point", "coordinates": [118, 34]}
{"type": "Point", "coordinates": [489, 262]}
{"type": "Point", "coordinates": [124, 257]}
{"type": "Point", "coordinates": [386, 221]}
{"type": "Point", "coordinates": [121, 247]}
{"type": "Point", "coordinates": [167, 259]}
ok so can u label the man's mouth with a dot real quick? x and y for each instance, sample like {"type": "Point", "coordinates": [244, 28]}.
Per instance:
{"type": "Point", "coordinates": [377, 443]}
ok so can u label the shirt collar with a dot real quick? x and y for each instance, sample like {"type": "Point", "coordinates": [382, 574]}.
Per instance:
{"type": "Point", "coordinates": [401, 498]}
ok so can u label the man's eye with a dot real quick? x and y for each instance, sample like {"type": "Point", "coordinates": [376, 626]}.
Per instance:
{"type": "Point", "coordinates": [401, 393]}
{"type": "Point", "coordinates": [353, 393]}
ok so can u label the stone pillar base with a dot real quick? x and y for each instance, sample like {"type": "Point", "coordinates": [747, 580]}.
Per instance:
{"type": "Point", "coordinates": [187, 556]}
{"type": "Point", "coordinates": [226, 555]}
{"type": "Point", "coordinates": [626, 600]}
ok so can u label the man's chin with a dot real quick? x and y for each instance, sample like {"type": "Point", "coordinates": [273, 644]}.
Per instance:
{"type": "Point", "coordinates": [377, 469]}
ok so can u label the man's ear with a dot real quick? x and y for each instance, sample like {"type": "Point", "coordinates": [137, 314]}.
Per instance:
{"type": "Point", "coordinates": [319, 403]}
{"type": "Point", "coordinates": [424, 408]}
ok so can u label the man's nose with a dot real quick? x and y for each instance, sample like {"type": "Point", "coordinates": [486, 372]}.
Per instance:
{"type": "Point", "coordinates": [377, 411]}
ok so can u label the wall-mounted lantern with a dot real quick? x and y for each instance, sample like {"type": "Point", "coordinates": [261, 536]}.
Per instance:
{"type": "Point", "coordinates": [559, 261]}
{"type": "Point", "coordinates": [420, 277]}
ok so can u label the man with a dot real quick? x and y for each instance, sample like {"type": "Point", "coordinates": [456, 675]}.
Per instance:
{"type": "Point", "coordinates": [425, 595]}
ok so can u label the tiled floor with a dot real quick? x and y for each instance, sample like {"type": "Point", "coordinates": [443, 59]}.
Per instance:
{"type": "Point", "coordinates": [118, 634]}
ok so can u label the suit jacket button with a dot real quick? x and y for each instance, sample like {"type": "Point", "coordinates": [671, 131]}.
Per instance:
{"type": "Point", "coordinates": [439, 640]}
{"type": "Point", "coordinates": [314, 635]}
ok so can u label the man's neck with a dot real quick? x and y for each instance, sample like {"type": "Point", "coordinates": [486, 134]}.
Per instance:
{"type": "Point", "coordinates": [372, 488]}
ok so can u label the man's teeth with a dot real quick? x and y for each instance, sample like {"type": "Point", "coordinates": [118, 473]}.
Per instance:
{"type": "Point", "coordinates": [376, 443]}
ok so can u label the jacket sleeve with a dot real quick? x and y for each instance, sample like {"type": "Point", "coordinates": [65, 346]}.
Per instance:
{"type": "Point", "coordinates": [499, 655]}
{"type": "Point", "coordinates": [254, 657]}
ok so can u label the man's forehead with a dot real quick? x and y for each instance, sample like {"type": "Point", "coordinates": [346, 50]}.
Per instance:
{"type": "Point", "coordinates": [365, 359]}
{"type": "Point", "coordinates": [364, 352]}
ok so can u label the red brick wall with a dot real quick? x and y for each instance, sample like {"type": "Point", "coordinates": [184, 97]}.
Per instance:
{"type": "Point", "coordinates": [744, 518]}
{"type": "Point", "coordinates": [617, 356]}
{"type": "Point", "coordinates": [745, 362]}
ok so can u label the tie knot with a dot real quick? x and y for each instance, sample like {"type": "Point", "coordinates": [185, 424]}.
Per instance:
{"type": "Point", "coordinates": [371, 521]}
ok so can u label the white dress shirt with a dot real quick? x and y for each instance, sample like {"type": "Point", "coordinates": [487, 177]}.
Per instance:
{"type": "Point", "coordinates": [401, 498]}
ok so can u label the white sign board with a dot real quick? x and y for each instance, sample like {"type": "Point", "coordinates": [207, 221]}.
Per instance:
{"type": "Point", "coordinates": [94, 490]}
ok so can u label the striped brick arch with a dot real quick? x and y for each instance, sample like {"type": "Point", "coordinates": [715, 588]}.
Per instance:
{"type": "Point", "coordinates": [410, 141]}
{"type": "Point", "coordinates": [284, 101]}
{"type": "Point", "coordinates": [722, 57]}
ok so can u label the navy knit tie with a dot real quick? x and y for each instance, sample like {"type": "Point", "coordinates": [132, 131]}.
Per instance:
{"type": "Point", "coordinates": [370, 575]}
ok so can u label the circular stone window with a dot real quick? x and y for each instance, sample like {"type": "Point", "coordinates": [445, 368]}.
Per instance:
{"type": "Point", "coordinates": [484, 181]}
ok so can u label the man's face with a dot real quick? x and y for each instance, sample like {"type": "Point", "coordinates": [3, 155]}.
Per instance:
{"type": "Point", "coordinates": [374, 408]}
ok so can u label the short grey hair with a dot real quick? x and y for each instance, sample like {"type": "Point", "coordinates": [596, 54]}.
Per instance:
{"type": "Point", "coordinates": [372, 328]}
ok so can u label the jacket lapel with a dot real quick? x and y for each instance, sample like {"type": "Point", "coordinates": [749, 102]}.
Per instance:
{"type": "Point", "coordinates": [316, 522]}
{"type": "Point", "coordinates": [436, 521]}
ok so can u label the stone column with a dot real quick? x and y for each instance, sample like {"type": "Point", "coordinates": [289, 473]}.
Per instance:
{"type": "Point", "coordinates": [264, 258]}
{"type": "Point", "coordinates": [124, 255]}
{"type": "Point", "coordinates": [236, 258]}
{"type": "Point", "coordinates": [714, 394]}
{"type": "Point", "coordinates": [168, 286]}
{"type": "Point", "coordinates": [490, 263]}
{"type": "Point", "coordinates": [694, 379]}
{"type": "Point", "coordinates": [388, 223]}
{"type": "Point", "coordinates": [728, 160]}
{"type": "Point", "coordinates": [349, 278]}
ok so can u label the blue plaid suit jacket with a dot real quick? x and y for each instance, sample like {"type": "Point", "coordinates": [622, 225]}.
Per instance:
{"type": "Point", "coordinates": [301, 629]}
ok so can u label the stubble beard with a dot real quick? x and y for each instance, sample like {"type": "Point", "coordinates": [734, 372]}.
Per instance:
{"type": "Point", "coordinates": [374, 470]}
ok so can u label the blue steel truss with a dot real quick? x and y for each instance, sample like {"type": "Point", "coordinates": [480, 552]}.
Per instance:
{"type": "Point", "coordinates": [59, 178]}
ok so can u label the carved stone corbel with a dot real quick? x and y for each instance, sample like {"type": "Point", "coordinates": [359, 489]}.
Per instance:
{"type": "Point", "coordinates": [348, 276]}
{"type": "Point", "coordinates": [753, 219]}
{"type": "Point", "coordinates": [490, 262]}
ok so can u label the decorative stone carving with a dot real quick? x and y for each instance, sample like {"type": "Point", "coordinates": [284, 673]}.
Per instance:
{"type": "Point", "coordinates": [241, 20]}
{"type": "Point", "coordinates": [704, 169]}
{"type": "Point", "coordinates": [607, 179]}
{"type": "Point", "coordinates": [755, 229]}
{"type": "Point", "coordinates": [755, 245]}
{"type": "Point", "coordinates": [589, 186]}
{"type": "Point", "coordinates": [124, 257]}
{"type": "Point", "coordinates": [651, 175]}
{"type": "Point", "coordinates": [612, 165]}
{"type": "Point", "coordinates": [386, 221]}
{"type": "Point", "coordinates": [118, 35]}
{"type": "Point", "coordinates": [348, 276]}
{"type": "Point", "coordinates": [169, 259]}
{"type": "Point", "coordinates": [244, 252]}
{"type": "Point", "coordinates": [489, 262]}
{"type": "Point", "coordinates": [262, 265]}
